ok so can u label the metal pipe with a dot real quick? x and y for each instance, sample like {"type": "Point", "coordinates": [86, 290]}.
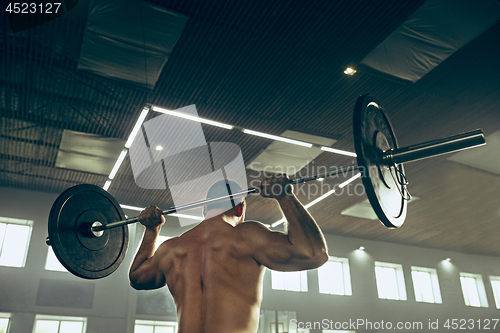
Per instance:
{"type": "Point", "coordinates": [434, 148]}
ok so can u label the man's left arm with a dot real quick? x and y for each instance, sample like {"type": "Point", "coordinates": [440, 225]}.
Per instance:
{"type": "Point", "coordinates": [303, 246]}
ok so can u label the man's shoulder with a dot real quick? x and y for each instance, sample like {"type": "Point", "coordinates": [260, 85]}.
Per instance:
{"type": "Point", "coordinates": [169, 243]}
{"type": "Point", "coordinates": [252, 225]}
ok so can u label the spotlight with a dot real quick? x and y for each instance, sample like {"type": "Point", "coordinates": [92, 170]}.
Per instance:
{"type": "Point", "coordinates": [361, 248]}
{"type": "Point", "coordinates": [349, 71]}
{"type": "Point", "coordinates": [448, 259]}
{"type": "Point", "coordinates": [320, 179]}
{"type": "Point", "coordinates": [159, 148]}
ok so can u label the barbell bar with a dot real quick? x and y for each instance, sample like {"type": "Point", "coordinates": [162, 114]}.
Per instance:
{"type": "Point", "coordinates": [388, 158]}
{"type": "Point", "coordinates": [238, 194]}
{"type": "Point", "coordinates": [87, 226]}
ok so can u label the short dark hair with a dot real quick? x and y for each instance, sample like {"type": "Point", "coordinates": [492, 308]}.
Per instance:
{"type": "Point", "coordinates": [223, 188]}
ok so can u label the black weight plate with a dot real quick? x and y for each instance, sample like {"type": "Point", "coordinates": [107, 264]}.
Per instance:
{"type": "Point", "coordinates": [373, 134]}
{"type": "Point", "coordinates": [78, 251]}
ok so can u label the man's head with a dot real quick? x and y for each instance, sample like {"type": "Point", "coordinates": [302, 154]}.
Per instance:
{"type": "Point", "coordinates": [234, 206]}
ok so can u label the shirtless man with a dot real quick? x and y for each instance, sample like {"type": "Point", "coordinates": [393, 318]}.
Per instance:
{"type": "Point", "coordinates": [215, 270]}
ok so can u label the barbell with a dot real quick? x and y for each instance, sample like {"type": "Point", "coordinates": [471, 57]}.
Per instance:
{"type": "Point", "coordinates": [88, 233]}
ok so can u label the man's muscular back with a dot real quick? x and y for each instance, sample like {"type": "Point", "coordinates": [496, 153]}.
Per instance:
{"type": "Point", "coordinates": [214, 271]}
{"type": "Point", "coordinates": [215, 282]}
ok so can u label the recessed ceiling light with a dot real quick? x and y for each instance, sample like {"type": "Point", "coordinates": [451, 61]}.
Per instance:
{"type": "Point", "coordinates": [448, 259]}
{"type": "Point", "coordinates": [349, 71]}
{"type": "Point", "coordinates": [320, 179]}
{"type": "Point", "coordinates": [361, 248]}
{"type": "Point", "coordinates": [159, 148]}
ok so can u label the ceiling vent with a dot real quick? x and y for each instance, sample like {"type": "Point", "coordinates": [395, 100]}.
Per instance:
{"type": "Point", "coordinates": [88, 152]}
{"type": "Point", "coordinates": [434, 32]}
{"type": "Point", "coordinates": [486, 158]}
{"type": "Point", "coordinates": [125, 39]}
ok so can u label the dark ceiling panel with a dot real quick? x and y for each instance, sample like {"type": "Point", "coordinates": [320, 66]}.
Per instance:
{"type": "Point", "coordinates": [269, 66]}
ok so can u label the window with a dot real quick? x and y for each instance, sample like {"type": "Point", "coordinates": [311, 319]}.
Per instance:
{"type": "Point", "coordinates": [146, 326]}
{"type": "Point", "coordinates": [495, 285]}
{"type": "Point", "coordinates": [291, 281]}
{"type": "Point", "coordinates": [285, 320]}
{"type": "Point", "coordinates": [14, 240]}
{"type": "Point", "coordinates": [473, 290]}
{"type": "Point", "coordinates": [390, 281]}
{"type": "Point", "coordinates": [58, 324]}
{"type": "Point", "coordinates": [426, 285]}
{"type": "Point", "coordinates": [334, 277]}
{"type": "Point", "coordinates": [160, 240]}
{"type": "Point", "coordinates": [4, 322]}
{"type": "Point", "coordinates": [52, 263]}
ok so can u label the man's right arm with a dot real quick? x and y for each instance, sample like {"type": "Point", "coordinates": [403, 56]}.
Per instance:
{"type": "Point", "coordinates": [144, 272]}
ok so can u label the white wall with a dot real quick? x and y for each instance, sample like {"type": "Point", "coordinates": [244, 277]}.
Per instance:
{"type": "Point", "coordinates": [116, 305]}
{"type": "Point", "coordinates": [364, 302]}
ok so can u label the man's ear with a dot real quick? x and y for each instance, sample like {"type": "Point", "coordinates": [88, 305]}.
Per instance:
{"type": "Point", "coordinates": [239, 210]}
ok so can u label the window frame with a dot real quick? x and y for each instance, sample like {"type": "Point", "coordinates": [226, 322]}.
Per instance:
{"type": "Point", "coordinates": [436, 291]}
{"type": "Point", "coordinates": [60, 319]}
{"type": "Point", "coordinates": [302, 278]}
{"type": "Point", "coordinates": [400, 282]}
{"type": "Point", "coordinates": [15, 221]}
{"type": "Point", "coordinates": [495, 289]}
{"type": "Point", "coordinates": [155, 323]}
{"type": "Point", "coordinates": [5, 315]}
{"type": "Point", "coordinates": [51, 254]}
{"type": "Point", "coordinates": [346, 276]}
{"type": "Point", "coordinates": [481, 292]}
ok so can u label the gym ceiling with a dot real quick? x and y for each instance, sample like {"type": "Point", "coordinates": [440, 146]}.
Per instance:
{"type": "Point", "coordinates": [268, 66]}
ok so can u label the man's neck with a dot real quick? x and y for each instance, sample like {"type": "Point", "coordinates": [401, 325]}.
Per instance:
{"type": "Point", "coordinates": [229, 219]}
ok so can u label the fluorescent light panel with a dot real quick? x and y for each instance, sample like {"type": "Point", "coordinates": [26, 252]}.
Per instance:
{"type": "Point", "coordinates": [350, 180]}
{"type": "Point", "coordinates": [118, 163]}
{"type": "Point", "coordinates": [193, 118]}
{"type": "Point", "coordinates": [136, 128]}
{"type": "Point", "coordinates": [106, 185]}
{"type": "Point", "coordinates": [338, 151]}
{"type": "Point", "coordinates": [278, 222]}
{"type": "Point", "coordinates": [193, 217]}
{"type": "Point", "coordinates": [315, 201]}
{"type": "Point", "coordinates": [139, 209]}
{"type": "Point", "coordinates": [277, 138]}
